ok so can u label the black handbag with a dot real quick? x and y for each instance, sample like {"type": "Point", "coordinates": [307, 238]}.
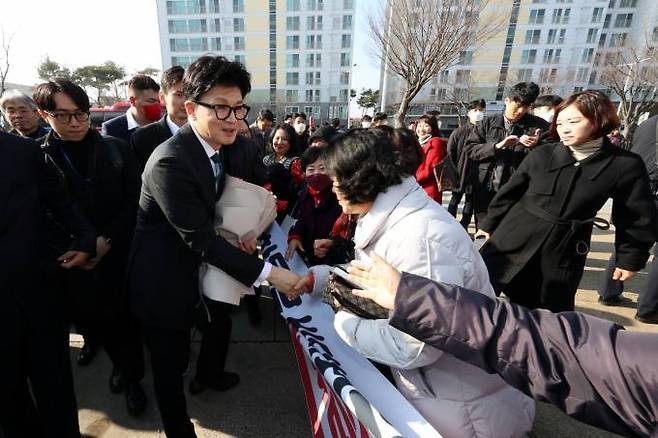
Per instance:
{"type": "Point", "coordinates": [446, 175]}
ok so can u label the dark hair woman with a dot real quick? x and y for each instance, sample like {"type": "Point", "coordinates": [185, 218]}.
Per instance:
{"type": "Point", "coordinates": [540, 223]}
{"type": "Point", "coordinates": [434, 150]}
{"type": "Point", "coordinates": [373, 176]}
{"type": "Point", "coordinates": [284, 171]}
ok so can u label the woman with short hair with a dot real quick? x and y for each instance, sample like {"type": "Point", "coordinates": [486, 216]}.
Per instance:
{"type": "Point", "coordinates": [284, 170]}
{"type": "Point", "coordinates": [373, 176]}
{"type": "Point", "coordinates": [540, 223]}
{"type": "Point", "coordinates": [434, 150]}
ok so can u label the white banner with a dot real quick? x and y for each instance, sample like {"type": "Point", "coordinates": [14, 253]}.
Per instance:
{"type": "Point", "coordinates": [346, 395]}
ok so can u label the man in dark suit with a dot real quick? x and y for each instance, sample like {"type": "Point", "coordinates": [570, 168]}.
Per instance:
{"type": "Point", "coordinates": [181, 183]}
{"type": "Point", "coordinates": [34, 330]}
{"type": "Point", "coordinates": [146, 139]}
{"type": "Point", "coordinates": [260, 133]}
{"type": "Point", "coordinates": [144, 108]}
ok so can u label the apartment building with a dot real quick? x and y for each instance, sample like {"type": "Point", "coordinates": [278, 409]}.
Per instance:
{"type": "Point", "coordinates": [299, 52]}
{"type": "Point", "coordinates": [559, 44]}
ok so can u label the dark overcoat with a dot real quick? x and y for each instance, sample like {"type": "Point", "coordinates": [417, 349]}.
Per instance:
{"type": "Point", "coordinates": [548, 207]}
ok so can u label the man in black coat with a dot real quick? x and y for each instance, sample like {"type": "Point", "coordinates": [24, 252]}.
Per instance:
{"type": "Point", "coordinates": [645, 144]}
{"type": "Point", "coordinates": [100, 173]}
{"type": "Point", "coordinates": [32, 317]}
{"type": "Point", "coordinates": [589, 368]}
{"type": "Point", "coordinates": [499, 144]}
{"type": "Point", "coordinates": [144, 141]}
{"type": "Point", "coordinates": [144, 109]}
{"type": "Point", "coordinates": [181, 183]}
{"type": "Point", "coordinates": [260, 133]}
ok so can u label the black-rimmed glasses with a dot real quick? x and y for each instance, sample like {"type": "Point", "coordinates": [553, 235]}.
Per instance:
{"type": "Point", "coordinates": [223, 112]}
{"type": "Point", "coordinates": [80, 116]}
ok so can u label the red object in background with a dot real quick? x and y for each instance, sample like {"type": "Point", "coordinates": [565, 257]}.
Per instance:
{"type": "Point", "coordinates": [98, 116]}
{"type": "Point", "coordinates": [311, 122]}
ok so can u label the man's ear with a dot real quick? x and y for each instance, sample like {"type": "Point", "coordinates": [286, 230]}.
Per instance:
{"type": "Point", "coordinates": [43, 115]}
{"type": "Point", "coordinates": [190, 107]}
{"type": "Point", "coordinates": [132, 100]}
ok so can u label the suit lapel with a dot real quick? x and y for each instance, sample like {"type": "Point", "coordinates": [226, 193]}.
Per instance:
{"type": "Point", "coordinates": [202, 169]}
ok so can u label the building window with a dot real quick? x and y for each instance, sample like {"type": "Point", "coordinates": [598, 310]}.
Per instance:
{"type": "Point", "coordinates": [292, 23]}
{"type": "Point", "coordinates": [310, 23]}
{"type": "Point", "coordinates": [344, 59]}
{"type": "Point", "coordinates": [238, 5]}
{"type": "Point", "coordinates": [319, 22]}
{"type": "Point", "coordinates": [183, 61]}
{"type": "Point", "coordinates": [238, 25]}
{"type": "Point", "coordinates": [310, 41]}
{"type": "Point", "coordinates": [591, 35]}
{"type": "Point", "coordinates": [465, 57]}
{"type": "Point", "coordinates": [587, 55]}
{"type": "Point", "coordinates": [239, 58]}
{"type": "Point", "coordinates": [346, 41]}
{"type": "Point", "coordinates": [292, 78]}
{"type": "Point", "coordinates": [197, 26]}
{"type": "Point", "coordinates": [186, 7]}
{"type": "Point", "coordinates": [310, 59]}
{"type": "Point", "coordinates": [292, 42]}
{"type": "Point", "coordinates": [528, 56]}
{"type": "Point", "coordinates": [318, 76]}
{"type": "Point", "coordinates": [343, 95]}
{"type": "Point", "coordinates": [214, 6]}
{"type": "Point", "coordinates": [627, 3]}
{"type": "Point", "coordinates": [537, 16]}
{"type": "Point", "coordinates": [618, 40]}
{"type": "Point", "coordinates": [552, 56]}
{"type": "Point", "coordinates": [462, 76]}
{"type": "Point", "coordinates": [524, 75]}
{"type": "Point", "coordinates": [238, 43]}
{"type": "Point", "coordinates": [177, 26]}
{"type": "Point", "coordinates": [606, 21]}
{"type": "Point", "coordinates": [292, 96]}
{"type": "Point", "coordinates": [552, 34]}
{"type": "Point", "coordinates": [179, 45]}
{"type": "Point", "coordinates": [311, 4]}
{"type": "Point", "coordinates": [216, 43]}
{"type": "Point", "coordinates": [198, 44]}
{"type": "Point", "coordinates": [623, 20]}
{"type": "Point", "coordinates": [597, 15]}
{"type": "Point", "coordinates": [602, 39]}
{"type": "Point", "coordinates": [317, 98]}
{"type": "Point", "coordinates": [561, 16]}
{"type": "Point", "coordinates": [292, 5]}
{"type": "Point", "coordinates": [532, 36]}
{"type": "Point", "coordinates": [582, 74]}
{"type": "Point", "coordinates": [292, 61]}
{"type": "Point", "coordinates": [217, 25]}
{"type": "Point", "coordinates": [309, 96]}
{"type": "Point", "coordinates": [592, 78]}
{"type": "Point", "coordinates": [612, 3]}
{"type": "Point", "coordinates": [348, 4]}
{"type": "Point", "coordinates": [347, 22]}
{"type": "Point", "coordinates": [345, 78]}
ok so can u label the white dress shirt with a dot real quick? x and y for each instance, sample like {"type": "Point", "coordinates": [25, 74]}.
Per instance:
{"type": "Point", "coordinates": [132, 123]}
{"type": "Point", "coordinates": [210, 151]}
{"type": "Point", "coordinates": [173, 128]}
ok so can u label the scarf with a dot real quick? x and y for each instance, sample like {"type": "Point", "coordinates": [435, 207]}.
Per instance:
{"type": "Point", "coordinates": [586, 149]}
{"type": "Point", "coordinates": [423, 140]}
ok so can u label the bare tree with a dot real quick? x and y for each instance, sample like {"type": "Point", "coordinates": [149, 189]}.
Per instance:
{"type": "Point", "coordinates": [417, 39]}
{"type": "Point", "coordinates": [632, 75]}
{"type": "Point", "coordinates": [4, 59]}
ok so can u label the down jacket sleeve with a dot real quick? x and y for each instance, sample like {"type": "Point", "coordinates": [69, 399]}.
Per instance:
{"type": "Point", "coordinates": [589, 368]}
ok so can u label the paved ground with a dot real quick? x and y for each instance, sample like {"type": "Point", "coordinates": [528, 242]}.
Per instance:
{"type": "Point", "coordinates": [269, 402]}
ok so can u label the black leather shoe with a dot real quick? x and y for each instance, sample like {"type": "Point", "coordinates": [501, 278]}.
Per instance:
{"type": "Point", "coordinates": [116, 381]}
{"type": "Point", "coordinates": [649, 319]}
{"type": "Point", "coordinates": [229, 380]}
{"type": "Point", "coordinates": [616, 300]}
{"type": "Point", "coordinates": [87, 353]}
{"type": "Point", "coordinates": [135, 398]}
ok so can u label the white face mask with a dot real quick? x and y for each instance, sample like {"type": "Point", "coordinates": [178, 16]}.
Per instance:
{"type": "Point", "coordinates": [365, 125]}
{"type": "Point", "coordinates": [476, 116]}
{"type": "Point", "coordinates": [300, 128]}
{"type": "Point", "coordinates": [546, 115]}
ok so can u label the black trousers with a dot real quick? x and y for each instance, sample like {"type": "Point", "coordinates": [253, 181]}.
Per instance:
{"type": "Point", "coordinates": [100, 312]}
{"type": "Point", "coordinates": [35, 350]}
{"type": "Point", "coordinates": [467, 211]}
{"type": "Point", "coordinates": [647, 304]}
{"type": "Point", "coordinates": [481, 200]}
{"type": "Point", "coordinates": [170, 353]}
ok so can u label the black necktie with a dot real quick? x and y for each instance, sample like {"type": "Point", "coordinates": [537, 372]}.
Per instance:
{"type": "Point", "coordinates": [217, 169]}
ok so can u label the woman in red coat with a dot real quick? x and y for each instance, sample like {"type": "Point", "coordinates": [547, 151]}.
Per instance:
{"type": "Point", "coordinates": [434, 150]}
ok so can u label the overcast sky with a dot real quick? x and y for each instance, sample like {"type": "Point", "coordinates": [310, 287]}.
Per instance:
{"type": "Point", "coordinates": [83, 32]}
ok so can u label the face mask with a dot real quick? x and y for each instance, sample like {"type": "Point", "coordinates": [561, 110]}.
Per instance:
{"type": "Point", "coordinates": [300, 128]}
{"type": "Point", "coordinates": [546, 115]}
{"type": "Point", "coordinates": [319, 182]}
{"type": "Point", "coordinates": [476, 116]}
{"type": "Point", "coordinates": [365, 125]}
{"type": "Point", "coordinates": [152, 112]}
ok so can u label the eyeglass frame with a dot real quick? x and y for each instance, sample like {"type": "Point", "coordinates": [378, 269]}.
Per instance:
{"type": "Point", "coordinates": [70, 116]}
{"type": "Point", "coordinates": [231, 109]}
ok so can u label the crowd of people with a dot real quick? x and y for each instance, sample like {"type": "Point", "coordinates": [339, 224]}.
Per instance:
{"type": "Point", "coordinates": [106, 232]}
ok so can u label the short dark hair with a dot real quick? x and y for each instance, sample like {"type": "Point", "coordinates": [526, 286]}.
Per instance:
{"type": "Point", "coordinates": [302, 115]}
{"type": "Point", "coordinates": [210, 71]}
{"type": "Point", "coordinates": [293, 139]}
{"type": "Point", "coordinates": [596, 107]}
{"type": "Point", "coordinates": [379, 116]}
{"type": "Point", "coordinates": [170, 77]}
{"type": "Point", "coordinates": [434, 125]}
{"type": "Point", "coordinates": [288, 116]}
{"type": "Point", "coordinates": [547, 100]}
{"type": "Point", "coordinates": [477, 103]}
{"type": "Point", "coordinates": [335, 122]}
{"type": "Point", "coordinates": [265, 114]}
{"type": "Point", "coordinates": [366, 118]}
{"type": "Point", "coordinates": [368, 161]}
{"type": "Point", "coordinates": [524, 93]}
{"type": "Point", "coordinates": [310, 156]}
{"type": "Point", "coordinates": [143, 82]}
{"type": "Point", "coordinates": [433, 113]}
{"type": "Point", "coordinates": [43, 94]}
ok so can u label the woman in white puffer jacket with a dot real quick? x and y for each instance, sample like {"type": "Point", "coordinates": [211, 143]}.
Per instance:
{"type": "Point", "coordinates": [399, 222]}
